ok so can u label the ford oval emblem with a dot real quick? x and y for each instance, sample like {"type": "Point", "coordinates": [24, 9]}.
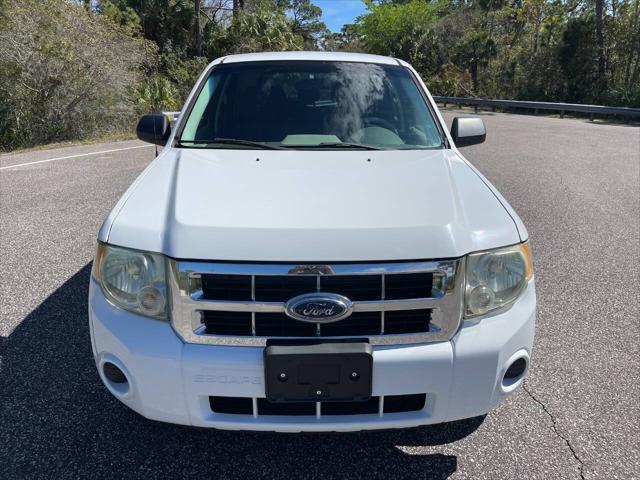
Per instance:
{"type": "Point", "coordinates": [319, 307]}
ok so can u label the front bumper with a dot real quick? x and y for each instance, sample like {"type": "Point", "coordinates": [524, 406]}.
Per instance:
{"type": "Point", "coordinates": [171, 381]}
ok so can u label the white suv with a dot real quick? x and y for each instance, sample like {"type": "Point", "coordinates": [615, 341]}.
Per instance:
{"type": "Point", "coordinates": [311, 252]}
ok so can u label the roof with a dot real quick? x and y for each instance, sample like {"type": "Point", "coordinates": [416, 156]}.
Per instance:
{"type": "Point", "coordinates": [315, 56]}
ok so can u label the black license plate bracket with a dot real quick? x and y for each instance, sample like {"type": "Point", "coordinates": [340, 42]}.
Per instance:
{"type": "Point", "coordinates": [321, 372]}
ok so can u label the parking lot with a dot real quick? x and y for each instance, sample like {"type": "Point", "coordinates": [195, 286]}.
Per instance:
{"type": "Point", "coordinates": [576, 185]}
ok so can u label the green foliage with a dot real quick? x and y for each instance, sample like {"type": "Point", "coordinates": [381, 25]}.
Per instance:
{"type": "Point", "coordinates": [575, 55]}
{"type": "Point", "coordinates": [449, 81]}
{"type": "Point", "coordinates": [526, 49]}
{"type": "Point", "coordinates": [70, 72]}
{"type": "Point", "coordinates": [182, 73]}
{"type": "Point", "coordinates": [168, 23]}
{"type": "Point", "coordinates": [405, 31]}
{"type": "Point", "coordinates": [119, 12]}
{"type": "Point", "coordinates": [267, 28]}
{"type": "Point", "coordinates": [168, 83]}
{"type": "Point", "coordinates": [65, 73]}
{"type": "Point", "coordinates": [473, 51]}
{"type": "Point", "coordinates": [157, 93]}
{"type": "Point", "coordinates": [305, 18]}
{"type": "Point", "coordinates": [348, 39]}
{"type": "Point", "coordinates": [71, 69]}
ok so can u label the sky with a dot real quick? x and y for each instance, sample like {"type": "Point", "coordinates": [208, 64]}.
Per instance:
{"type": "Point", "coordinates": [335, 13]}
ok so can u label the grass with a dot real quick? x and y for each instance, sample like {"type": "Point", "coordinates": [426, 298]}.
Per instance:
{"type": "Point", "coordinates": [111, 137]}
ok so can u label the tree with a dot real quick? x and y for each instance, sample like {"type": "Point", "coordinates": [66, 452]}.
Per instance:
{"type": "Point", "coordinates": [406, 31]}
{"type": "Point", "coordinates": [599, 4]}
{"type": "Point", "coordinates": [197, 27]}
{"type": "Point", "coordinates": [238, 5]}
{"type": "Point", "coordinates": [525, 49]}
{"type": "Point", "coordinates": [168, 23]}
{"type": "Point", "coordinates": [119, 12]}
{"type": "Point", "coordinates": [157, 93]}
{"type": "Point", "coordinates": [474, 51]}
{"type": "Point", "coordinates": [65, 73]}
{"type": "Point", "coordinates": [306, 21]}
{"type": "Point", "coordinates": [577, 54]}
{"type": "Point", "coordinates": [265, 29]}
{"type": "Point", "coordinates": [349, 39]}
{"type": "Point", "coordinates": [71, 68]}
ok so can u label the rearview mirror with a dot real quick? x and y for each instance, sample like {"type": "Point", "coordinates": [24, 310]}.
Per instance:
{"type": "Point", "coordinates": [154, 128]}
{"type": "Point", "coordinates": [468, 131]}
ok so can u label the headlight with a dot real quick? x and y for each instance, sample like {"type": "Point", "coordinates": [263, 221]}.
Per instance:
{"type": "Point", "coordinates": [132, 280]}
{"type": "Point", "coordinates": [496, 278]}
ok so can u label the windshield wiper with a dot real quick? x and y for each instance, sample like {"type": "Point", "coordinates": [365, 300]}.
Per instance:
{"type": "Point", "coordinates": [231, 141]}
{"type": "Point", "coordinates": [345, 145]}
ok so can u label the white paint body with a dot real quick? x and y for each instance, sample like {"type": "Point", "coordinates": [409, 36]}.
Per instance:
{"type": "Point", "coordinates": [310, 206]}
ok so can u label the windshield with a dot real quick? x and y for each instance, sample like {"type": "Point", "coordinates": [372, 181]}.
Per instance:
{"type": "Point", "coordinates": [298, 105]}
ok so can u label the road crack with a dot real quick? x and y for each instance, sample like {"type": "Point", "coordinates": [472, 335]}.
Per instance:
{"type": "Point", "coordinates": [554, 425]}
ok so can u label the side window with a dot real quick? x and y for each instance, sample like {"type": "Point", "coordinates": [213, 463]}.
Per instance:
{"type": "Point", "coordinates": [423, 132]}
{"type": "Point", "coordinates": [191, 127]}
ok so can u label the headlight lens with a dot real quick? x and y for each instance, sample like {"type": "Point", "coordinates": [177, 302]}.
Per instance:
{"type": "Point", "coordinates": [496, 278]}
{"type": "Point", "coordinates": [132, 280]}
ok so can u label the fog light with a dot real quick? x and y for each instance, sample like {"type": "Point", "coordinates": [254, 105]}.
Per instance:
{"type": "Point", "coordinates": [113, 373]}
{"type": "Point", "coordinates": [516, 369]}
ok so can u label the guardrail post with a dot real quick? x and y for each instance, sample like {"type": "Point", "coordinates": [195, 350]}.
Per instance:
{"type": "Point", "coordinates": [493, 109]}
{"type": "Point", "coordinates": [561, 113]}
{"type": "Point", "coordinates": [445, 104]}
{"type": "Point", "coordinates": [591, 117]}
{"type": "Point", "coordinates": [475, 108]}
{"type": "Point", "coordinates": [627, 119]}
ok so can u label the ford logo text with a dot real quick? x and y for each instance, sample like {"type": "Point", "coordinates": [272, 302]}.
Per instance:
{"type": "Point", "coordinates": [319, 307]}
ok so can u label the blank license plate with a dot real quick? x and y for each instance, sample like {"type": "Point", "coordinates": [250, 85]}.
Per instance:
{"type": "Point", "coordinates": [322, 372]}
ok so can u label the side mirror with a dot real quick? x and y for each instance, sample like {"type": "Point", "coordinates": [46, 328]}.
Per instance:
{"type": "Point", "coordinates": [154, 128]}
{"type": "Point", "coordinates": [468, 131]}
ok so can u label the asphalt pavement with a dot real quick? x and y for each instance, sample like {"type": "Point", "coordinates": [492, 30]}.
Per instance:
{"type": "Point", "coordinates": [575, 184]}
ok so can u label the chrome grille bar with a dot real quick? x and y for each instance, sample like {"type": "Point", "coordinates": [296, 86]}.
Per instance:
{"type": "Point", "coordinates": [279, 307]}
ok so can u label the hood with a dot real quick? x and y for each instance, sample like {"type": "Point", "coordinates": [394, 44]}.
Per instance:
{"type": "Point", "coordinates": [309, 206]}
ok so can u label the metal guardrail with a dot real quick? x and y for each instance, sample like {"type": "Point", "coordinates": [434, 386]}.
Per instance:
{"type": "Point", "coordinates": [627, 113]}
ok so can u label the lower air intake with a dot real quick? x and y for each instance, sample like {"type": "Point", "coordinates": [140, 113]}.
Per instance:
{"type": "Point", "coordinates": [390, 404]}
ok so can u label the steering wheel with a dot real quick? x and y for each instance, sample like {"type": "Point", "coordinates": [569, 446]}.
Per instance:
{"type": "Point", "coordinates": [379, 122]}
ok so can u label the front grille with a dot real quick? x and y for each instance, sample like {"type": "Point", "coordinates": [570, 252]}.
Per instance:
{"type": "Point", "coordinates": [265, 407]}
{"type": "Point", "coordinates": [280, 288]}
{"type": "Point", "coordinates": [232, 405]}
{"type": "Point", "coordinates": [411, 285]}
{"type": "Point", "coordinates": [279, 325]}
{"type": "Point", "coordinates": [227, 323]}
{"type": "Point", "coordinates": [226, 287]}
{"type": "Point", "coordinates": [411, 321]}
{"type": "Point", "coordinates": [387, 404]}
{"type": "Point", "coordinates": [363, 323]}
{"type": "Point", "coordinates": [355, 287]}
{"type": "Point", "coordinates": [245, 304]}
